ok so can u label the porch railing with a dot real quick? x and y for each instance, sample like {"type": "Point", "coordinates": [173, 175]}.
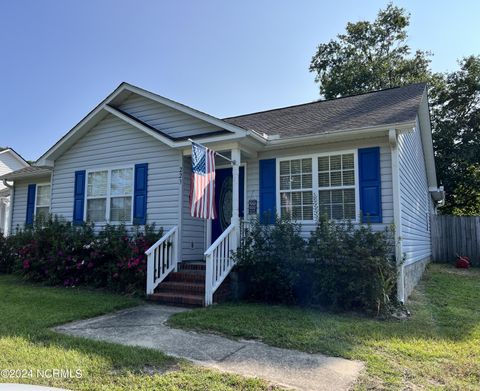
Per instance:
{"type": "Point", "coordinates": [162, 258]}
{"type": "Point", "coordinates": [219, 261]}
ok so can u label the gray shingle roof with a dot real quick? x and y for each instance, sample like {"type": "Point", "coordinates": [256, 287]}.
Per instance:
{"type": "Point", "coordinates": [394, 105]}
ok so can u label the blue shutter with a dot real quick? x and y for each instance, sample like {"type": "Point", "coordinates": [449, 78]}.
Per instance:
{"type": "Point", "coordinates": [30, 204]}
{"type": "Point", "coordinates": [267, 191]}
{"type": "Point", "coordinates": [370, 184]}
{"type": "Point", "coordinates": [79, 197]}
{"type": "Point", "coordinates": [140, 194]}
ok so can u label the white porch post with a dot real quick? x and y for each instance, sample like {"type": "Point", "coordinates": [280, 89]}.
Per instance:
{"type": "Point", "coordinates": [236, 192]}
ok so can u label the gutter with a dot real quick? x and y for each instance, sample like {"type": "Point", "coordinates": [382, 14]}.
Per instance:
{"type": "Point", "coordinates": [274, 141]}
{"type": "Point", "coordinates": [393, 141]}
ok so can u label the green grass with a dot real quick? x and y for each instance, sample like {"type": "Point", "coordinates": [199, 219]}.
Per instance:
{"type": "Point", "coordinates": [27, 312]}
{"type": "Point", "coordinates": [437, 348]}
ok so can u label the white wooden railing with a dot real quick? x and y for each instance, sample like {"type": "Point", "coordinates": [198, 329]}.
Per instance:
{"type": "Point", "coordinates": [162, 258]}
{"type": "Point", "coordinates": [219, 261]}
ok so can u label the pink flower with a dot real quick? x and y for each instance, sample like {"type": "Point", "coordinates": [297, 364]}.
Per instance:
{"type": "Point", "coordinates": [115, 275]}
{"type": "Point", "coordinates": [26, 264]}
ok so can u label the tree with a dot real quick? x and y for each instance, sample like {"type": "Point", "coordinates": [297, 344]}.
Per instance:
{"type": "Point", "coordinates": [455, 107]}
{"type": "Point", "coordinates": [374, 55]}
{"type": "Point", "coordinates": [370, 56]}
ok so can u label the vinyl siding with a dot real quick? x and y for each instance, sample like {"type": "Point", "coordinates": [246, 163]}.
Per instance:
{"type": "Point", "coordinates": [114, 143]}
{"type": "Point", "coordinates": [415, 200]}
{"type": "Point", "coordinates": [193, 230]}
{"type": "Point", "coordinates": [20, 191]}
{"type": "Point", "coordinates": [19, 205]}
{"type": "Point", "coordinates": [385, 171]}
{"type": "Point", "coordinates": [170, 121]}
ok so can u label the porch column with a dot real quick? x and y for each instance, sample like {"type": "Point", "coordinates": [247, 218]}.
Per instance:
{"type": "Point", "coordinates": [236, 188]}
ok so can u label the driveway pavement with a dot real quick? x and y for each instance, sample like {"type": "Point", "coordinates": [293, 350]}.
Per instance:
{"type": "Point", "coordinates": [145, 326]}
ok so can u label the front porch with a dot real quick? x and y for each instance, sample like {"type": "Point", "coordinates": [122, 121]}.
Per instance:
{"type": "Point", "coordinates": [188, 265]}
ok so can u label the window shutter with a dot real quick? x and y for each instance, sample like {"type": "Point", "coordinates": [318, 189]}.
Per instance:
{"type": "Point", "coordinates": [30, 204]}
{"type": "Point", "coordinates": [267, 191]}
{"type": "Point", "coordinates": [140, 194]}
{"type": "Point", "coordinates": [79, 197]}
{"type": "Point", "coordinates": [370, 184]}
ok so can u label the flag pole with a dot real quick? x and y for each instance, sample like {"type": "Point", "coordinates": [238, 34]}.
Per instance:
{"type": "Point", "coordinates": [216, 153]}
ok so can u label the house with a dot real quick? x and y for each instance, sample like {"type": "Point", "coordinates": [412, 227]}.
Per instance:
{"type": "Point", "coordinates": [9, 161]}
{"type": "Point", "coordinates": [362, 157]}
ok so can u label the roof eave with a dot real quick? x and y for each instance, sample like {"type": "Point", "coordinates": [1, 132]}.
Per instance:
{"type": "Point", "coordinates": [339, 135]}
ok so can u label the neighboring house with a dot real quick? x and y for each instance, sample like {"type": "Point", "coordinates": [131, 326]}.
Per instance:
{"type": "Point", "coordinates": [362, 157]}
{"type": "Point", "coordinates": [9, 161]}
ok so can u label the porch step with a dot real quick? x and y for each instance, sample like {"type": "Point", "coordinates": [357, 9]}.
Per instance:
{"type": "Point", "coordinates": [175, 298]}
{"type": "Point", "coordinates": [188, 288]}
{"type": "Point", "coordinates": [190, 276]}
{"type": "Point", "coordinates": [192, 266]}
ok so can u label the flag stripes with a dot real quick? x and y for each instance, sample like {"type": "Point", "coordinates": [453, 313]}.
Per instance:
{"type": "Point", "coordinates": [202, 185]}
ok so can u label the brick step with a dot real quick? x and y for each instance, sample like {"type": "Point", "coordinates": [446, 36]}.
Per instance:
{"type": "Point", "coordinates": [177, 299]}
{"type": "Point", "coordinates": [191, 266]}
{"type": "Point", "coordinates": [187, 276]}
{"type": "Point", "coordinates": [182, 287]}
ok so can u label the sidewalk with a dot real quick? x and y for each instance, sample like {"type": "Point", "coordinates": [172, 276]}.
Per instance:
{"type": "Point", "coordinates": [145, 326]}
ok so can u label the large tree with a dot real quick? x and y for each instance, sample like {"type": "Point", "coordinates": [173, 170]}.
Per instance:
{"type": "Point", "coordinates": [370, 56]}
{"type": "Point", "coordinates": [374, 55]}
{"type": "Point", "coordinates": [455, 107]}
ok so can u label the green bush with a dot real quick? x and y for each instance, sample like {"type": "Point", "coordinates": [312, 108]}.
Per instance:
{"type": "Point", "coordinates": [353, 267]}
{"type": "Point", "coordinates": [340, 267]}
{"type": "Point", "coordinates": [58, 253]}
{"type": "Point", "coordinates": [271, 260]}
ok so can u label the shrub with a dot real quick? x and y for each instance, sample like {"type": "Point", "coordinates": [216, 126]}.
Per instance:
{"type": "Point", "coordinates": [353, 267]}
{"type": "Point", "coordinates": [58, 253]}
{"type": "Point", "coordinates": [341, 267]}
{"type": "Point", "coordinates": [271, 260]}
{"type": "Point", "coordinates": [7, 255]}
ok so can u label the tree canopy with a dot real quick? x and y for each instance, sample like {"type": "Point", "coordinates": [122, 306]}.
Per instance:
{"type": "Point", "coordinates": [455, 107]}
{"type": "Point", "coordinates": [375, 55]}
{"type": "Point", "coordinates": [370, 56]}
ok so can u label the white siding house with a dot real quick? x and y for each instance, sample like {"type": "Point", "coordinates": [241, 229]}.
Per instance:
{"type": "Point", "coordinates": [365, 158]}
{"type": "Point", "coordinates": [9, 161]}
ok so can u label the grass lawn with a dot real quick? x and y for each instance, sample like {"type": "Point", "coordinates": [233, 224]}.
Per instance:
{"type": "Point", "coordinates": [28, 311]}
{"type": "Point", "coordinates": [437, 348]}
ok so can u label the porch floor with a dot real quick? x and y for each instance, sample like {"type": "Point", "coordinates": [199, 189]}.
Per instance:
{"type": "Point", "coordinates": [145, 326]}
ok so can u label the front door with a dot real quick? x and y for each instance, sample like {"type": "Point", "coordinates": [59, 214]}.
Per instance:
{"type": "Point", "coordinates": [223, 199]}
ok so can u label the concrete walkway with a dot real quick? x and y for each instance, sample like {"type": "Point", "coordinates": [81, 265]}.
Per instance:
{"type": "Point", "coordinates": [145, 326]}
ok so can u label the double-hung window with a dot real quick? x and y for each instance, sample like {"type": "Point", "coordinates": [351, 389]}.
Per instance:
{"type": "Point", "coordinates": [318, 185]}
{"type": "Point", "coordinates": [336, 186]}
{"type": "Point", "coordinates": [296, 187]}
{"type": "Point", "coordinates": [42, 201]}
{"type": "Point", "coordinates": [109, 195]}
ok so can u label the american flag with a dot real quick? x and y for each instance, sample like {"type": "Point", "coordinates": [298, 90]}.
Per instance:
{"type": "Point", "coordinates": [202, 185]}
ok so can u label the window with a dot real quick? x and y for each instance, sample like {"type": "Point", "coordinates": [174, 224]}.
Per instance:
{"type": "Point", "coordinates": [109, 195]}
{"type": "Point", "coordinates": [336, 184]}
{"type": "Point", "coordinates": [296, 199]}
{"type": "Point", "coordinates": [42, 201]}
{"type": "Point", "coordinates": [322, 184]}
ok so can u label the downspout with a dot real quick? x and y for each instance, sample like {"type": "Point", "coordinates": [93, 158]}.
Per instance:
{"type": "Point", "coordinates": [393, 141]}
{"type": "Point", "coordinates": [9, 216]}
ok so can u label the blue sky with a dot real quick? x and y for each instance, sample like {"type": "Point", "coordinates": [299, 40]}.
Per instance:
{"type": "Point", "coordinates": [59, 58]}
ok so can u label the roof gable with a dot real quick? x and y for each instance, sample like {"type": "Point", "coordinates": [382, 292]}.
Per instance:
{"type": "Point", "coordinates": [171, 122]}
{"type": "Point", "coordinates": [123, 103]}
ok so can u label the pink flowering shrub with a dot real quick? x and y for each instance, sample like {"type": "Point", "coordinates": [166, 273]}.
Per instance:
{"type": "Point", "coordinates": [58, 253]}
